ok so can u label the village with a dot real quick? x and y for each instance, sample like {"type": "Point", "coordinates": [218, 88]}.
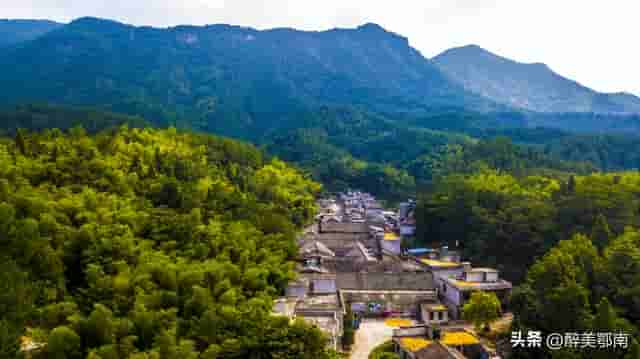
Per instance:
{"type": "Point", "coordinates": [352, 260]}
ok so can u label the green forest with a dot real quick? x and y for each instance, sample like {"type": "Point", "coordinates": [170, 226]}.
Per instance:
{"type": "Point", "coordinates": [123, 241]}
{"type": "Point", "coordinates": [142, 243]}
{"type": "Point", "coordinates": [350, 148]}
{"type": "Point", "coordinates": [571, 244]}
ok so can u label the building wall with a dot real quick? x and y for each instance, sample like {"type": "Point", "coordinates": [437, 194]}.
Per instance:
{"type": "Point", "coordinates": [296, 291]}
{"type": "Point", "coordinates": [475, 276]}
{"type": "Point", "coordinates": [415, 331]}
{"type": "Point", "coordinates": [341, 240]}
{"type": "Point", "coordinates": [386, 281]}
{"type": "Point", "coordinates": [402, 302]}
{"type": "Point", "coordinates": [323, 286]}
{"type": "Point", "coordinates": [347, 227]}
{"type": "Point", "coordinates": [452, 296]}
{"type": "Point", "coordinates": [492, 277]}
{"type": "Point", "coordinates": [440, 274]}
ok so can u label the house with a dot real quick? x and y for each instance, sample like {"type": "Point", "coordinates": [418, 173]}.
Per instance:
{"type": "Point", "coordinates": [457, 280]}
{"type": "Point", "coordinates": [427, 342]}
{"type": "Point", "coordinates": [457, 290]}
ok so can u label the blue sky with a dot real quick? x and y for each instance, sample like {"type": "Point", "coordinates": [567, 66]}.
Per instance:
{"type": "Point", "coordinates": [593, 42]}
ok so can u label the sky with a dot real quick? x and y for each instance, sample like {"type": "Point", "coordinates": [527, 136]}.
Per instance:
{"type": "Point", "coordinates": [592, 42]}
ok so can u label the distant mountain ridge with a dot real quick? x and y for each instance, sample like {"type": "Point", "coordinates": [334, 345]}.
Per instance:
{"type": "Point", "coordinates": [227, 79]}
{"type": "Point", "coordinates": [243, 82]}
{"type": "Point", "coordinates": [532, 86]}
{"type": "Point", "coordinates": [17, 31]}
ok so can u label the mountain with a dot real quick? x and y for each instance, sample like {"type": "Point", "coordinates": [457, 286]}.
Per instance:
{"type": "Point", "coordinates": [532, 87]}
{"type": "Point", "coordinates": [16, 31]}
{"type": "Point", "coordinates": [228, 79]}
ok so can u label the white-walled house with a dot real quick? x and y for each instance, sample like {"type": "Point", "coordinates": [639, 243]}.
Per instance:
{"type": "Point", "coordinates": [457, 290]}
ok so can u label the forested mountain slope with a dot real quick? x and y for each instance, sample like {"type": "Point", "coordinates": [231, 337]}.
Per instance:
{"type": "Point", "coordinates": [138, 242]}
{"type": "Point", "coordinates": [226, 79]}
{"type": "Point", "coordinates": [392, 158]}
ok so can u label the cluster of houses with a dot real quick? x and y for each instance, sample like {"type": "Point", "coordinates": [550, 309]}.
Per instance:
{"type": "Point", "coordinates": [353, 258]}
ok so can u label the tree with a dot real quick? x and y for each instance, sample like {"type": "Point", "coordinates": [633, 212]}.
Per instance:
{"type": "Point", "coordinates": [21, 143]}
{"type": "Point", "coordinates": [571, 185]}
{"type": "Point", "coordinates": [16, 305]}
{"type": "Point", "coordinates": [600, 233]}
{"type": "Point", "coordinates": [622, 274]}
{"type": "Point", "coordinates": [482, 309]}
{"type": "Point", "coordinates": [634, 350]}
{"type": "Point", "coordinates": [9, 339]}
{"type": "Point", "coordinates": [64, 343]}
{"type": "Point", "coordinates": [605, 319]}
{"type": "Point", "coordinates": [384, 351]}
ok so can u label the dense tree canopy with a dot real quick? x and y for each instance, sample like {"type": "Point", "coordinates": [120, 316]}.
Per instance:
{"type": "Point", "coordinates": [148, 244]}
{"type": "Point", "coordinates": [39, 117]}
{"type": "Point", "coordinates": [505, 221]}
{"type": "Point", "coordinates": [576, 288]}
{"type": "Point", "coordinates": [393, 157]}
{"type": "Point", "coordinates": [578, 236]}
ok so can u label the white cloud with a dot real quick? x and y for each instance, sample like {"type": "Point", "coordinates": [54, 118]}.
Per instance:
{"type": "Point", "coordinates": [593, 42]}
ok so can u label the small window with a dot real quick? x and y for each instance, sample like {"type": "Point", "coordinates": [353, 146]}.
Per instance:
{"type": "Point", "coordinates": [432, 316]}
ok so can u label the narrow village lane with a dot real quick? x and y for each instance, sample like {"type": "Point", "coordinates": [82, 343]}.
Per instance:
{"type": "Point", "coordinates": [372, 333]}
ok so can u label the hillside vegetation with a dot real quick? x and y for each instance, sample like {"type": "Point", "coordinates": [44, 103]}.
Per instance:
{"type": "Point", "coordinates": [148, 243]}
{"type": "Point", "coordinates": [572, 245]}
